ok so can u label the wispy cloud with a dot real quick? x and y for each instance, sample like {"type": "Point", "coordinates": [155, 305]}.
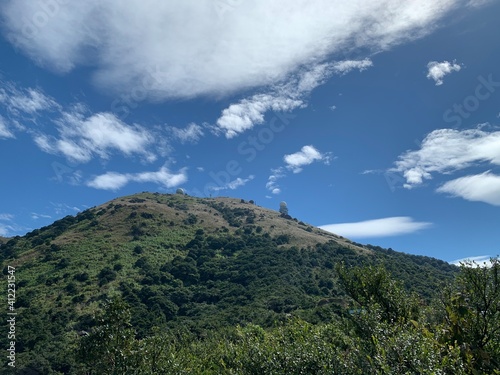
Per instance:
{"type": "Point", "coordinates": [232, 185]}
{"type": "Point", "coordinates": [64, 209]}
{"type": "Point", "coordinates": [386, 227]}
{"type": "Point", "coordinates": [6, 217]}
{"type": "Point", "coordinates": [249, 112]}
{"type": "Point", "coordinates": [437, 70]}
{"type": "Point", "coordinates": [4, 230]}
{"type": "Point", "coordinates": [479, 3]}
{"type": "Point", "coordinates": [28, 101]}
{"type": "Point", "coordinates": [484, 187]}
{"type": "Point", "coordinates": [7, 226]}
{"type": "Point", "coordinates": [115, 181]}
{"type": "Point", "coordinates": [99, 34]}
{"type": "Point", "coordinates": [344, 67]}
{"type": "Point", "coordinates": [448, 150]}
{"type": "Point", "coordinates": [190, 134]}
{"type": "Point", "coordinates": [36, 216]}
{"type": "Point", "coordinates": [4, 129]}
{"type": "Point", "coordinates": [22, 105]}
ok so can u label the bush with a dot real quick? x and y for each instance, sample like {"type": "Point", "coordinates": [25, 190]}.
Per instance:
{"type": "Point", "coordinates": [106, 275]}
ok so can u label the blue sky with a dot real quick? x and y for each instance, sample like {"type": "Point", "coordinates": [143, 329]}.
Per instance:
{"type": "Point", "coordinates": [377, 120]}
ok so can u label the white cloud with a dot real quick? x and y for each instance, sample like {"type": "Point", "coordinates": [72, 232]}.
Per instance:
{"type": "Point", "coordinates": [115, 181]}
{"type": "Point", "coordinates": [477, 261]}
{"type": "Point", "coordinates": [483, 187]}
{"type": "Point", "coordinates": [295, 163]}
{"type": "Point", "coordinates": [307, 155]}
{"type": "Point", "coordinates": [437, 70]}
{"type": "Point", "coordinates": [248, 112]}
{"type": "Point", "coordinates": [81, 137]}
{"type": "Point", "coordinates": [256, 44]}
{"type": "Point", "coordinates": [110, 181]}
{"type": "Point", "coordinates": [386, 227]}
{"type": "Point", "coordinates": [192, 133]}
{"type": "Point", "coordinates": [448, 150]}
{"type": "Point", "coordinates": [4, 130]}
{"type": "Point", "coordinates": [232, 185]}
{"type": "Point", "coordinates": [333, 107]}
{"type": "Point", "coordinates": [162, 177]}
{"type": "Point", "coordinates": [81, 134]}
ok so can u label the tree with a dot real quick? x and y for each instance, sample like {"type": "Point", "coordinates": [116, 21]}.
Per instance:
{"type": "Point", "coordinates": [372, 287]}
{"type": "Point", "coordinates": [472, 315]}
{"type": "Point", "coordinates": [111, 348]}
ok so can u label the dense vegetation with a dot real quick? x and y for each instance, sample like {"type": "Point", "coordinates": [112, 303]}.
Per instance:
{"type": "Point", "coordinates": [220, 285]}
{"type": "Point", "coordinates": [388, 331]}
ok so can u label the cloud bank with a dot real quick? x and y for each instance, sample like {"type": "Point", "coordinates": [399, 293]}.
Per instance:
{"type": "Point", "coordinates": [249, 45]}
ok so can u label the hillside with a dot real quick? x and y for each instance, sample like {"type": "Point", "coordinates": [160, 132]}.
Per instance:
{"type": "Point", "coordinates": [181, 261]}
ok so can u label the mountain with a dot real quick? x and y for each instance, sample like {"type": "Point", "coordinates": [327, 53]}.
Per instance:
{"type": "Point", "coordinates": [182, 261]}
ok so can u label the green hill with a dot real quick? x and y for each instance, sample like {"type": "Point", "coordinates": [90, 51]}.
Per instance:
{"type": "Point", "coordinates": [184, 262]}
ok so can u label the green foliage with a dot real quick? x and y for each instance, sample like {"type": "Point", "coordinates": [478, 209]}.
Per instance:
{"type": "Point", "coordinates": [106, 275]}
{"type": "Point", "coordinates": [472, 315]}
{"type": "Point", "coordinates": [373, 289]}
{"type": "Point", "coordinates": [112, 348]}
{"type": "Point", "coordinates": [291, 347]}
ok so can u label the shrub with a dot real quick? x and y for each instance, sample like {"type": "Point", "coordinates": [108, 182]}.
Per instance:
{"type": "Point", "coordinates": [106, 275]}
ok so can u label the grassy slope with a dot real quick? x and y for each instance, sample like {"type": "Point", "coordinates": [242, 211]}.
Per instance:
{"type": "Point", "coordinates": [106, 238]}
